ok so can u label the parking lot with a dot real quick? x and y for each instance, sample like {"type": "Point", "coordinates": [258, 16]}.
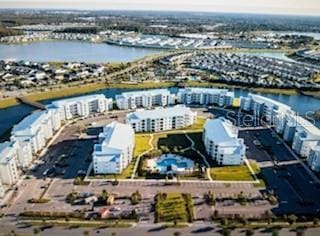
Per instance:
{"type": "Point", "coordinates": [296, 191]}
{"type": "Point", "coordinates": [70, 154]}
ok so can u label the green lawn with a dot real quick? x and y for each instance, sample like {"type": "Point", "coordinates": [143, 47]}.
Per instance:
{"type": "Point", "coordinates": [198, 125]}
{"type": "Point", "coordinates": [172, 207]}
{"type": "Point", "coordinates": [7, 102]}
{"type": "Point", "coordinates": [142, 144]}
{"type": "Point", "coordinates": [240, 173]}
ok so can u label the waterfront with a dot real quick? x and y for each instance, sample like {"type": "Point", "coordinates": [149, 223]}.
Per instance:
{"type": "Point", "coordinates": [79, 51]}
{"type": "Point", "coordinates": [12, 115]}
{"type": "Point", "coordinates": [71, 51]}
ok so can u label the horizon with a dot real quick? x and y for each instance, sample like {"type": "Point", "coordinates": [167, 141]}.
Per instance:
{"type": "Point", "coordinates": [261, 7]}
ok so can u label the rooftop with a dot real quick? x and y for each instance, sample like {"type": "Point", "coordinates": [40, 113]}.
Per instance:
{"type": "Point", "coordinates": [31, 120]}
{"type": "Point", "coordinates": [78, 99]}
{"type": "Point", "coordinates": [205, 90]}
{"type": "Point", "coordinates": [220, 130]}
{"type": "Point", "coordinates": [143, 93]}
{"type": "Point", "coordinates": [263, 99]}
{"type": "Point", "coordinates": [116, 136]}
{"type": "Point", "coordinates": [159, 113]}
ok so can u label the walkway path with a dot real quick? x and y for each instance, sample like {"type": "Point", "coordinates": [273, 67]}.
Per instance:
{"type": "Point", "coordinates": [200, 154]}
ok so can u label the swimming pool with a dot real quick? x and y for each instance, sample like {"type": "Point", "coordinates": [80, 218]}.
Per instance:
{"type": "Point", "coordinates": [171, 161]}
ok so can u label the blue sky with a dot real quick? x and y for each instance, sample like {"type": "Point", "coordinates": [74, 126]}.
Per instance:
{"type": "Point", "coordinates": [300, 7]}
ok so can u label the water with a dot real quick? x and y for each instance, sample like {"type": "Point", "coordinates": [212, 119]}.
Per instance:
{"type": "Point", "coordinates": [316, 36]}
{"type": "Point", "coordinates": [78, 51]}
{"type": "Point", "coordinates": [171, 161]}
{"type": "Point", "coordinates": [71, 51]}
{"type": "Point", "coordinates": [300, 103]}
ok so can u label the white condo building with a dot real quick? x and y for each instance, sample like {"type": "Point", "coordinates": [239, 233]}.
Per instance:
{"type": "Point", "coordinates": [263, 107]}
{"type": "Point", "coordinates": [221, 141]}
{"type": "Point", "coordinates": [115, 149]}
{"type": "Point", "coordinates": [206, 96]}
{"type": "Point", "coordinates": [306, 137]}
{"type": "Point", "coordinates": [161, 119]}
{"type": "Point", "coordinates": [314, 158]}
{"type": "Point", "coordinates": [82, 106]}
{"type": "Point", "coordinates": [8, 163]}
{"type": "Point", "coordinates": [144, 99]}
{"type": "Point", "coordinates": [36, 129]}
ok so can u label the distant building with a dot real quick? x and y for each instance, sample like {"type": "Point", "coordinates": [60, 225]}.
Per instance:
{"type": "Point", "coordinates": [115, 149]}
{"type": "Point", "coordinates": [144, 99]}
{"type": "Point", "coordinates": [161, 119]}
{"type": "Point", "coordinates": [82, 106]}
{"type": "Point", "coordinates": [221, 141]}
{"type": "Point", "coordinates": [206, 96]}
{"type": "Point", "coordinates": [314, 158]}
{"type": "Point", "coordinates": [8, 163]}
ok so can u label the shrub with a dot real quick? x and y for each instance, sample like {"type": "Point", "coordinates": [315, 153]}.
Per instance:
{"type": "Point", "coordinates": [38, 200]}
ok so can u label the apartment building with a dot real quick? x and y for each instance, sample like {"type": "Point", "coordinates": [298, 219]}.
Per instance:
{"type": "Point", "coordinates": [161, 119]}
{"type": "Point", "coordinates": [314, 158]}
{"type": "Point", "coordinates": [263, 107]}
{"type": "Point", "coordinates": [8, 163]}
{"type": "Point", "coordinates": [115, 149]}
{"type": "Point", "coordinates": [145, 99]}
{"type": "Point", "coordinates": [82, 106]}
{"type": "Point", "coordinates": [306, 137]}
{"type": "Point", "coordinates": [36, 128]}
{"type": "Point", "coordinates": [220, 138]}
{"type": "Point", "coordinates": [206, 96]}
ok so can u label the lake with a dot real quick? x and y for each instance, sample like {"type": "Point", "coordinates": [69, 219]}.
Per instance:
{"type": "Point", "coordinates": [79, 51]}
{"type": "Point", "coordinates": [300, 103]}
{"type": "Point", "coordinates": [72, 51]}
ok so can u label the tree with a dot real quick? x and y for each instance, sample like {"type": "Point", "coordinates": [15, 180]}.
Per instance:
{"type": "Point", "coordinates": [86, 233]}
{"type": "Point", "coordinates": [210, 199]}
{"type": "Point", "coordinates": [116, 181]}
{"type": "Point", "coordinates": [215, 214]}
{"type": "Point", "coordinates": [135, 198]}
{"type": "Point", "coordinates": [226, 232]}
{"type": "Point", "coordinates": [177, 233]}
{"type": "Point", "coordinates": [36, 231]}
{"type": "Point", "coordinates": [300, 231]}
{"type": "Point", "coordinates": [104, 195]}
{"type": "Point", "coordinates": [275, 232]}
{"type": "Point", "coordinates": [249, 232]}
{"type": "Point", "coordinates": [224, 222]}
{"type": "Point", "coordinates": [292, 219]}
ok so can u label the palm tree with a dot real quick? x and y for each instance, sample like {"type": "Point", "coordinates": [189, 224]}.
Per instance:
{"type": "Point", "coordinates": [104, 194]}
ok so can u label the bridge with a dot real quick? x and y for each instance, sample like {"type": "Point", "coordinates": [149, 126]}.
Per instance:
{"type": "Point", "coordinates": [28, 102]}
